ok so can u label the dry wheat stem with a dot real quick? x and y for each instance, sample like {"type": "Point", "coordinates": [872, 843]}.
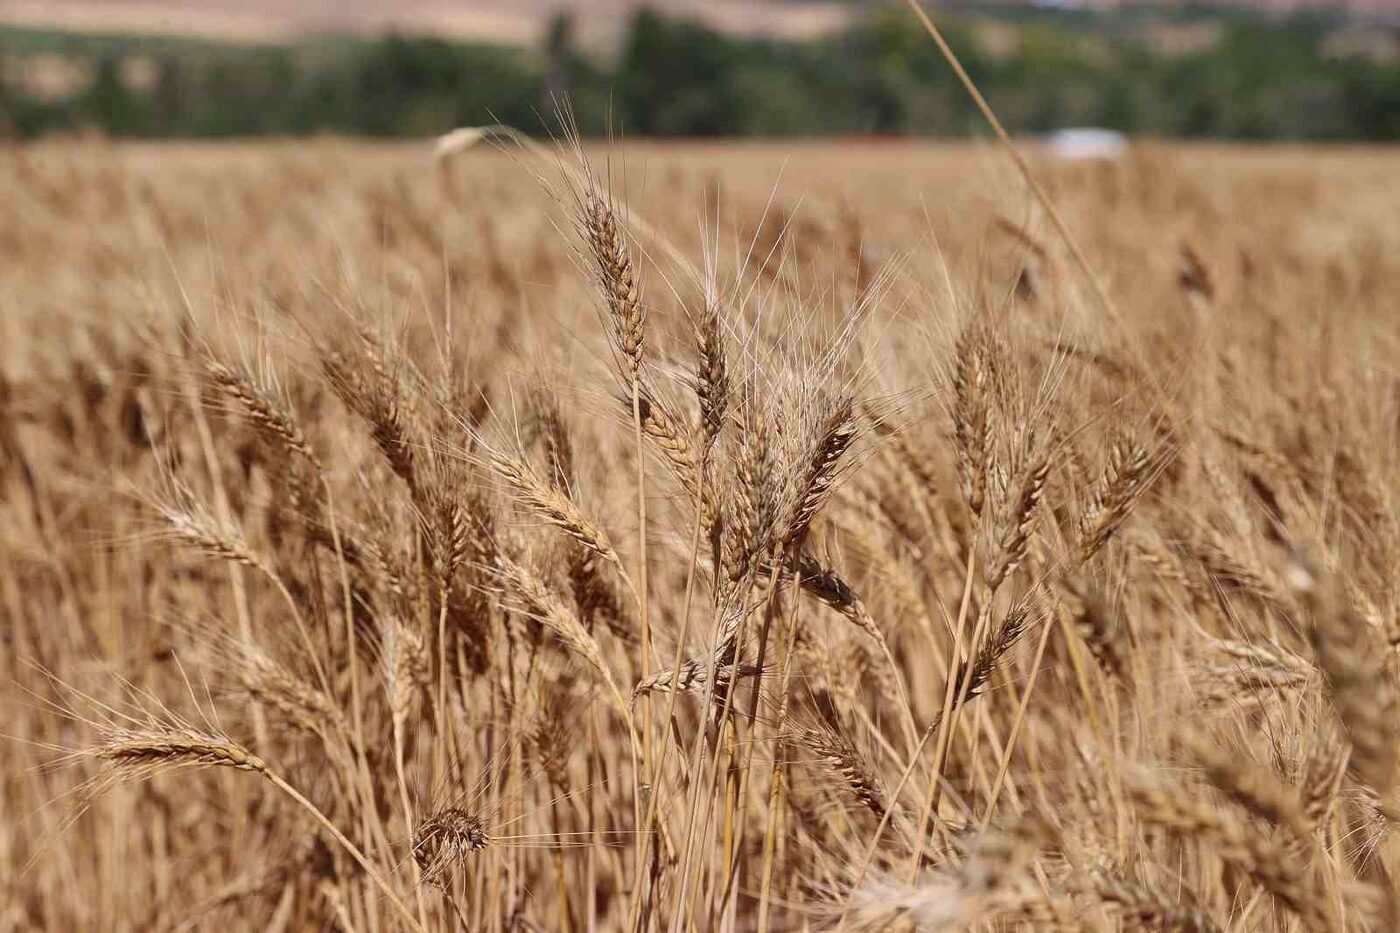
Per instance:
{"type": "Point", "coordinates": [155, 749]}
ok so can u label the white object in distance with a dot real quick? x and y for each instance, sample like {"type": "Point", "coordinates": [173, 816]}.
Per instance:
{"type": "Point", "coordinates": [1078, 144]}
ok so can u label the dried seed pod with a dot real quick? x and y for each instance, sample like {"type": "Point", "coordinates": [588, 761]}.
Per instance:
{"type": "Point", "coordinates": [1352, 659]}
{"type": "Point", "coordinates": [832, 440]}
{"type": "Point", "coordinates": [1126, 477]}
{"type": "Point", "coordinates": [854, 771]}
{"type": "Point", "coordinates": [444, 841]}
{"type": "Point", "coordinates": [617, 278]}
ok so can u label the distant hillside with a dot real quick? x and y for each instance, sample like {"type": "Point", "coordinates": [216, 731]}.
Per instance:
{"type": "Point", "coordinates": [514, 21]}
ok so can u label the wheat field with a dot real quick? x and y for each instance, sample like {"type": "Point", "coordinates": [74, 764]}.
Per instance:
{"type": "Point", "coordinates": [697, 537]}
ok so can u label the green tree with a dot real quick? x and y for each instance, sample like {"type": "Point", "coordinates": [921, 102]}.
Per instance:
{"type": "Point", "coordinates": [108, 102]}
{"type": "Point", "coordinates": [675, 79]}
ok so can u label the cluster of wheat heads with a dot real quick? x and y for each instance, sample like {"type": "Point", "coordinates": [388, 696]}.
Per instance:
{"type": "Point", "coordinates": [838, 577]}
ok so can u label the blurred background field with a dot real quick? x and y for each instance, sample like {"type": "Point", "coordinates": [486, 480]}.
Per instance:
{"type": "Point", "coordinates": [210, 68]}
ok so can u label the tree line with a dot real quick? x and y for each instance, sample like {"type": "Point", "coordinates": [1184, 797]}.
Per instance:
{"type": "Point", "coordinates": [1254, 77]}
